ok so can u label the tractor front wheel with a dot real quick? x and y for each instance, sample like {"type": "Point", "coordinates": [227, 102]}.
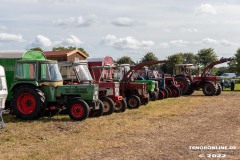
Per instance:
{"type": "Point", "coordinates": [121, 106]}
{"type": "Point", "coordinates": [169, 92]}
{"type": "Point", "coordinates": [165, 92]}
{"type": "Point", "coordinates": [154, 96]}
{"type": "Point", "coordinates": [97, 112]}
{"type": "Point", "coordinates": [133, 102]}
{"type": "Point", "coordinates": [219, 89]}
{"type": "Point", "coordinates": [78, 110]}
{"type": "Point", "coordinates": [175, 91]}
{"type": "Point", "coordinates": [209, 89]}
{"type": "Point", "coordinates": [28, 103]}
{"type": "Point", "coordinates": [108, 105]}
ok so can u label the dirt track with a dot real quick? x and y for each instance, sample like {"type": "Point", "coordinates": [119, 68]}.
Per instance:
{"type": "Point", "coordinates": [215, 121]}
{"type": "Point", "coordinates": [161, 130]}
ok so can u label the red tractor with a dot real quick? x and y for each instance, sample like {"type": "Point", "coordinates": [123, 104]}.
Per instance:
{"type": "Point", "coordinates": [101, 70]}
{"type": "Point", "coordinates": [208, 83]}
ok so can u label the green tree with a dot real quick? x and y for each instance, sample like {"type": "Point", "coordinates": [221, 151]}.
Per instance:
{"type": "Point", "coordinates": [36, 49]}
{"type": "Point", "coordinates": [206, 56]}
{"type": "Point", "coordinates": [124, 60]}
{"type": "Point", "coordinates": [189, 58]}
{"type": "Point", "coordinates": [221, 70]}
{"type": "Point", "coordinates": [172, 60]}
{"type": "Point", "coordinates": [149, 57]}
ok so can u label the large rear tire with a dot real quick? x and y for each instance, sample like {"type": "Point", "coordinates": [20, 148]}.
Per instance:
{"type": "Point", "coordinates": [184, 83]}
{"type": "Point", "coordinates": [133, 102]}
{"type": "Point", "coordinates": [209, 89]}
{"type": "Point", "coordinates": [28, 102]}
{"type": "Point", "coordinates": [121, 106]}
{"type": "Point", "coordinates": [108, 104]}
{"type": "Point", "coordinates": [190, 90]}
{"type": "Point", "coordinates": [219, 89]}
{"type": "Point", "coordinates": [78, 110]}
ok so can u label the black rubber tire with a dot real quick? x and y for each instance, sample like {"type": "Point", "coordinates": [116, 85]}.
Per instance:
{"type": "Point", "coordinates": [98, 112]}
{"type": "Point", "coordinates": [154, 96]}
{"type": "Point", "coordinates": [165, 92]}
{"type": "Point", "coordinates": [136, 102]}
{"type": "Point", "coordinates": [175, 91]}
{"type": "Point", "coordinates": [169, 92]}
{"type": "Point", "coordinates": [36, 95]}
{"type": "Point", "coordinates": [160, 95]}
{"type": "Point", "coordinates": [146, 100]}
{"type": "Point", "coordinates": [184, 83]}
{"type": "Point", "coordinates": [76, 106]}
{"type": "Point", "coordinates": [209, 89]}
{"type": "Point", "coordinates": [190, 90]}
{"type": "Point", "coordinates": [219, 89]}
{"type": "Point", "coordinates": [108, 104]}
{"type": "Point", "coordinates": [121, 106]}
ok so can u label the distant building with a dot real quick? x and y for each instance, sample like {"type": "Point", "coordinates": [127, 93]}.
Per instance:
{"type": "Point", "coordinates": [65, 55]}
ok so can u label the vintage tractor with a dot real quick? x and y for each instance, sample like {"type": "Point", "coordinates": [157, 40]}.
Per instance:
{"type": "Point", "coordinates": [135, 93]}
{"type": "Point", "coordinates": [188, 82]}
{"type": "Point", "coordinates": [3, 94]}
{"type": "Point", "coordinates": [101, 70]}
{"type": "Point", "coordinates": [166, 85]}
{"type": "Point", "coordinates": [38, 87]}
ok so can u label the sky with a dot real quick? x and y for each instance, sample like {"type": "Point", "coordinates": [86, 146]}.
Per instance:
{"type": "Point", "coordinates": [122, 28]}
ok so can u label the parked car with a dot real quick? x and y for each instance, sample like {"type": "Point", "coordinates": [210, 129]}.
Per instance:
{"type": "Point", "coordinates": [228, 75]}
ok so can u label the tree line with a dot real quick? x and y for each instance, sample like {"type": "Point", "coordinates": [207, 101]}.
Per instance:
{"type": "Point", "coordinates": [202, 58]}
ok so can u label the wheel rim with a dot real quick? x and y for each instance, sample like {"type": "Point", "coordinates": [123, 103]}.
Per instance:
{"type": "Point", "coordinates": [77, 110]}
{"type": "Point", "coordinates": [208, 89]}
{"type": "Point", "coordinates": [133, 102]}
{"type": "Point", "coordinates": [106, 106]}
{"type": "Point", "coordinates": [118, 106]}
{"type": "Point", "coordinates": [26, 103]}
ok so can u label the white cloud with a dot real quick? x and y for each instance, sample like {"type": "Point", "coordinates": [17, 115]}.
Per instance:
{"type": "Point", "coordinates": [164, 45]}
{"type": "Point", "coordinates": [205, 9]}
{"type": "Point", "coordinates": [126, 42]}
{"type": "Point", "coordinates": [179, 43]}
{"type": "Point", "coordinates": [190, 30]}
{"type": "Point", "coordinates": [209, 41]}
{"type": "Point", "coordinates": [6, 37]}
{"type": "Point", "coordinates": [124, 21]}
{"type": "Point", "coordinates": [40, 41]}
{"type": "Point", "coordinates": [228, 43]}
{"type": "Point", "coordinates": [71, 41]}
{"type": "Point", "coordinates": [77, 21]}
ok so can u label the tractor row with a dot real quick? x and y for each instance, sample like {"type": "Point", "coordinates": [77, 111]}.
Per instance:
{"type": "Point", "coordinates": [82, 88]}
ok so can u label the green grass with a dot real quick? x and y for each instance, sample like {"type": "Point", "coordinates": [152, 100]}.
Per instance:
{"type": "Point", "coordinates": [237, 88]}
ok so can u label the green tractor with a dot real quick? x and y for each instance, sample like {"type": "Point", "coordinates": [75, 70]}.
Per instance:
{"type": "Point", "coordinates": [38, 87]}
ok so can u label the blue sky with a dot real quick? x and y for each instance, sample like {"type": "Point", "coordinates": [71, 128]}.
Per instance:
{"type": "Point", "coordinates": [120, 28]}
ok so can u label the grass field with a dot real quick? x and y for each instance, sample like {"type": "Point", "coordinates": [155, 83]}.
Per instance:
{"type": "Point", "coordinates": [161, 130]}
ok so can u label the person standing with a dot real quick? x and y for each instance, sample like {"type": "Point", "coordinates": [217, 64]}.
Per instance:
{"type": "Point", "coordinates": [232, 85]}
{"type": "Point", "coordinates": [222, 83]}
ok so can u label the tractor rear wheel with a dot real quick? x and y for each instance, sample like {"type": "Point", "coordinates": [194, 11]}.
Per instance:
{"type": "Point", "coordinates": [121, 106]}
{"type": "Point", "coordinates": [146, 100]}
{"type": "Point", "coordinates": [108, 105]}
{"type": "Point", "coordinates": [190, 90]}
{"type": "Point", "coordinates": [169, 92]}
{"type": "Point", "coordinates": [219, 89]}
{"type": "Point", "coordinates": [209, 89]}
{"type": "Point", "coordinates": [154, 96]}
{"type": "Point", "coordinates": [184, 83]}
{"type": "Point", "coordinates": [78, 110]}
{"type": "Point", "coordinates": [165, 92]}
{"type": "Point", "coordinates": [97, 112]}
{"type": "Point", "coordinates": [133, 102]}
{"type": "Point", "coordinates": [28, 102]}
